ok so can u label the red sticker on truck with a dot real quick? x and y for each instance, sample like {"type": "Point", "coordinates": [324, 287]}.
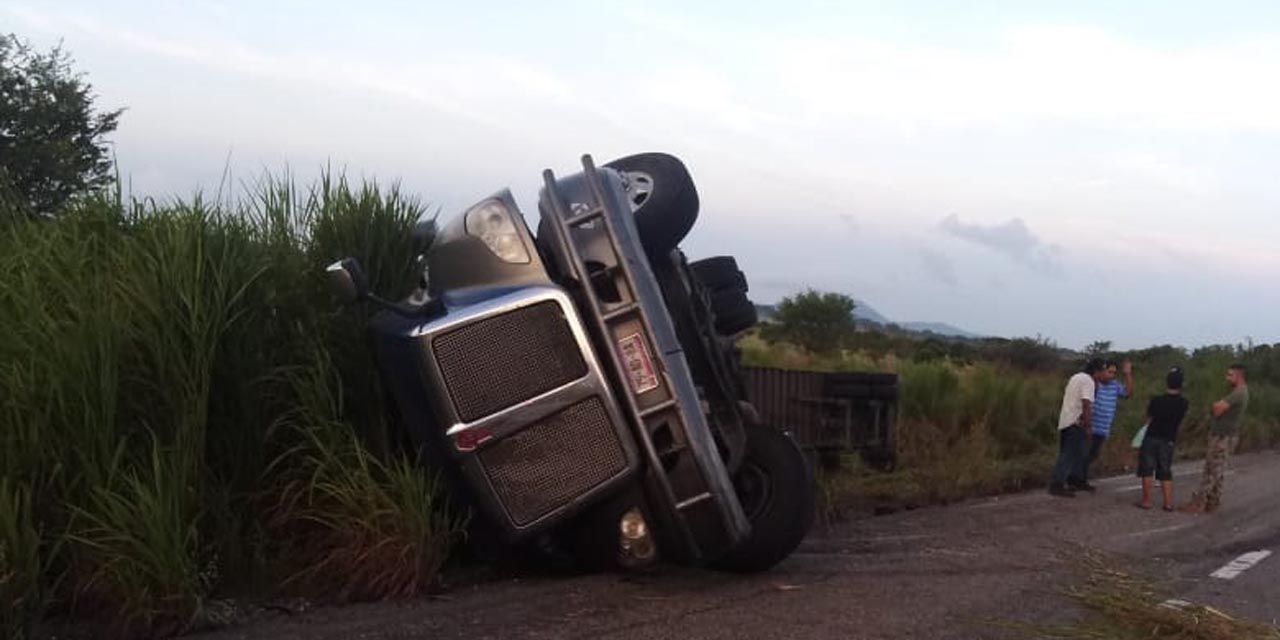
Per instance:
{"type": "Point", "coordinates": [639, 364]}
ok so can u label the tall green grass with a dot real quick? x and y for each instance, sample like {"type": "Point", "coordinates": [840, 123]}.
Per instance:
{"type": "Point", "coordinates": [151, 351]}
{"type": "Point", "coordinates": [355, 526]}
{"type": "Point", "coordinates": [23, 552]}
{"type": "Point", "coordinates": [976, 427]}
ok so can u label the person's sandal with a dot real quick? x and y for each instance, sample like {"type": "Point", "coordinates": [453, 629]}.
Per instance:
{"type": "Point", "coordinates": [1141, 505]}
{"type": "Point", "coordinates": [1168, 508]}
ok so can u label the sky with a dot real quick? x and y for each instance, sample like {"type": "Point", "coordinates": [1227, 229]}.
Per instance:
{"type": "Point", "coordinates": [1079, 171]}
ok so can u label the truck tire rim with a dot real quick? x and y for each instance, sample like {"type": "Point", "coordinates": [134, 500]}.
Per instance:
{"type": "Point", "coordinates": [639, 186]}
{"type": "Point", "coordinates": [754, 489]}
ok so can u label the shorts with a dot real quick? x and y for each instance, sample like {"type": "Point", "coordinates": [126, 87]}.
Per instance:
{"type": "Point", "coordinates": [1156, 457]}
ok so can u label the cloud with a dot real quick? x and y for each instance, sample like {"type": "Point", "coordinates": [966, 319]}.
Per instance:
{"type": "Point", "coordinates": [1011, 238]}
{"type": "Point", "coordinates": [939, 266]}
{"type": "Point", "coordinates": [446, 84]}
{"type": "Point", "coordinates": [1195, 180]}
{"type": "Point", "coordinates": [1032, 73]}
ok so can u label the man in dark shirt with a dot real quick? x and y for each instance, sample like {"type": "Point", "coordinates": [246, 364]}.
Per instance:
{"type": "Point", "coordinates": [1155, 458]}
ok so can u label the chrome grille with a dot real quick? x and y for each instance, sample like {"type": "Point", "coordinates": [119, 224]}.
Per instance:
{"type": "Point", "coordinates": [548, 464]}
{"type": "Point", "coordinates": [503, 360]}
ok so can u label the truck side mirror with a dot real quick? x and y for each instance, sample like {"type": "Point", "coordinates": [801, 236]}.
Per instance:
{"type": "Point", "coordinates": [423, 233]}
{"type": "Point", "coordinates": [347, 280]}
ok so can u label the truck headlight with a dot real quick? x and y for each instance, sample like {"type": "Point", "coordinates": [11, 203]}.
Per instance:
{"type": "Point", "coordinates": [492, 223]}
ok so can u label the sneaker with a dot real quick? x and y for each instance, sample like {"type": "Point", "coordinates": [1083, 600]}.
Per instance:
{"type": "Point", "coordinates": [1085, 486]}
{"type": "Point", "coordinates": [1061, 491]}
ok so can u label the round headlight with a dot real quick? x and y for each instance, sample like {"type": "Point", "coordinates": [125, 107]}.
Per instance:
{"type": "Point", "coordinates": [492, 223]}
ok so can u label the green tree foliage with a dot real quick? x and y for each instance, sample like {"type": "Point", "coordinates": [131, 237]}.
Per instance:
{"type": "Point", "coordinates": [817, 321]}
{"type": "Point", "coordinates": [1098, 349]}
{"type": "Point", "coordinates": [52, 140]}
{"type": "Point", "coordinates": [1031, 354]}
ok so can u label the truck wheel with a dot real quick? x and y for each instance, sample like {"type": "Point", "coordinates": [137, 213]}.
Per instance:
{"type": "Point", "coordinates": [662, 197]}
{"type": "Point", "coordinates": [734, 312]}
{"type": "Point", "coordinates": [776, 489]}
{"type": "Point", "coordinates": [719, 273]}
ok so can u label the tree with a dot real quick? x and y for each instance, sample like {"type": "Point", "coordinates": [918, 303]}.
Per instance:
{"type": "Point", "coordinates": [1031, 354]}
{"type": "Point", "coordinates": [1098, 349]}
{"type": "Point", "coordinates": [814, 320]}
{"type": "Point", "coordinates": [52, 140]}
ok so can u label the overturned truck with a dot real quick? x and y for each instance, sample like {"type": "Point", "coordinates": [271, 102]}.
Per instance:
{"type": "Point", "coordinates": [578, 386]}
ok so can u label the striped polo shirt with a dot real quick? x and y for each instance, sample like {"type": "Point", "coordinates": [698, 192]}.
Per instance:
{"type": "Point", "coordinates": [1104, 406]}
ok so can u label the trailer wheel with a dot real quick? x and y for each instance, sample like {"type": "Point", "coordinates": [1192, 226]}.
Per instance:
{"type": "Point", "coordinates": [719, 273]}
{"type": "Point", "coordinates": [776, 489]}
{"type": "Point", "coordinates": [734, 312]}
{"type": "Point", "coordinates": [662, 197]}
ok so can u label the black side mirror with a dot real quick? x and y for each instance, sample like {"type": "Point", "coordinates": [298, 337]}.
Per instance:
{"type": "Point", "coordinates": [347, 280]}
{"type": "Point", "coordinates": [423, 233]}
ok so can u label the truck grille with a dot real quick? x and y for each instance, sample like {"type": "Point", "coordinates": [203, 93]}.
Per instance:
{"type": "Point", "coordinates": [546, 465]}
{"type": "Point", "coordinates": [504, 360]}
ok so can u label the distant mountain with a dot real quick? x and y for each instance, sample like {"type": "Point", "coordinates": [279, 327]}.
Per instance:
{"type": "Point", "coordinates": [940, 328]}
{"type": "Point", "coordinates": [865, 314]}
{"type": "Point", "coordinates": [864, 311]}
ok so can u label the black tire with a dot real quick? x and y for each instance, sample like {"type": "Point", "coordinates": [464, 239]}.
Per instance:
{"type": "Point", "coordinates": [776, 487]}
{"type": "Point", "coordinates": [663, 198]}
{"type": "Point", "coordinates": [720, 273]}
{"type": "Point", "coordinates": [733, 311]}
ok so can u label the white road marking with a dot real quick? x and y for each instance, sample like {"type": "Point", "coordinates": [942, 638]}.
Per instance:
{"type": "Point", "coordinates": [1238, 566]}
{"type": "Point", "coordinates": [1148, 532]}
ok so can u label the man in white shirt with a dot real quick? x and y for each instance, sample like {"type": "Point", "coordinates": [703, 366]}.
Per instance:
{"type": "Point", "coordinates": [1075, 427]}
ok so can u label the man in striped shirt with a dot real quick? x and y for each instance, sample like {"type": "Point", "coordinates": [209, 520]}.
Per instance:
{"type": "Point", "coordinates": [1109, 393]}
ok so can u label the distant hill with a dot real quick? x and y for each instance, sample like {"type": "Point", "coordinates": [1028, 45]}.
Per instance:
{"type": "Point", "coordinates": [867, 315]}
{"type": "Point", "coordinates": [940, 328]}
{"type": "Point", "coordinates": [864, 311]}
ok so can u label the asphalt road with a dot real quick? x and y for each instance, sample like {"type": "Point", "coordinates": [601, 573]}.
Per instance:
{"type": "Point", "coordinates": [961, 571]}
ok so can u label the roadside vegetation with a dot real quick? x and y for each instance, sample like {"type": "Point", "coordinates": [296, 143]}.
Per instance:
{"type": "Point", "coordinates": [979, 416]}
{"type": "Point", "coordinates": [1121, 604]}
{"type": "Point", "coordinates": [185, 412]}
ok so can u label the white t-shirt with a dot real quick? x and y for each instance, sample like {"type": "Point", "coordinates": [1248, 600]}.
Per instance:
{"type": "Point", "coordinates": [1080, 388]}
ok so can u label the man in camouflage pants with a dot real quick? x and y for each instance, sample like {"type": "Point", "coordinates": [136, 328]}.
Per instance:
{"type": "Point", "coordinates": [1224, 435]}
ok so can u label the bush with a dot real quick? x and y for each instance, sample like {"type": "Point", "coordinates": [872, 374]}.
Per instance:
{"type": "Point", "coordinates": [814, 320]}
{"type": "Point", "coordinates": [143, 365]}
{"type": "Point", "coordinates": [353, 527]}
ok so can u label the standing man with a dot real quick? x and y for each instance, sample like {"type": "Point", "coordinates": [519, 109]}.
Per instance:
{"type": "Point", "coordinates": [1224, 435]}
{"type": "Point", "coordinates": [1110, 392]}
{"type": "Point", "coordinates": [1155, 458]}
{"type": "Point", "coordinates": [1075, 423]}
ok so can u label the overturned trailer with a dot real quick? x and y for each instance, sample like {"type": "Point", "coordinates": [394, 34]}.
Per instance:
{"type": "Point", "coordinates": [830, 413]}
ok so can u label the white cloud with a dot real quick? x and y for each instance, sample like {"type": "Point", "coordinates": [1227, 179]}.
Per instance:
{"type": "Point", "coordinates": [1165, 172]}
{"type": "Point", "coordinates": [1012, 238]}
{"type": "Point", "coordinates": [476, 87]}
{"type": "Point", "coordinates": [785, 132]}
{"type": "Point", "coordinates": [1034, 73]}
